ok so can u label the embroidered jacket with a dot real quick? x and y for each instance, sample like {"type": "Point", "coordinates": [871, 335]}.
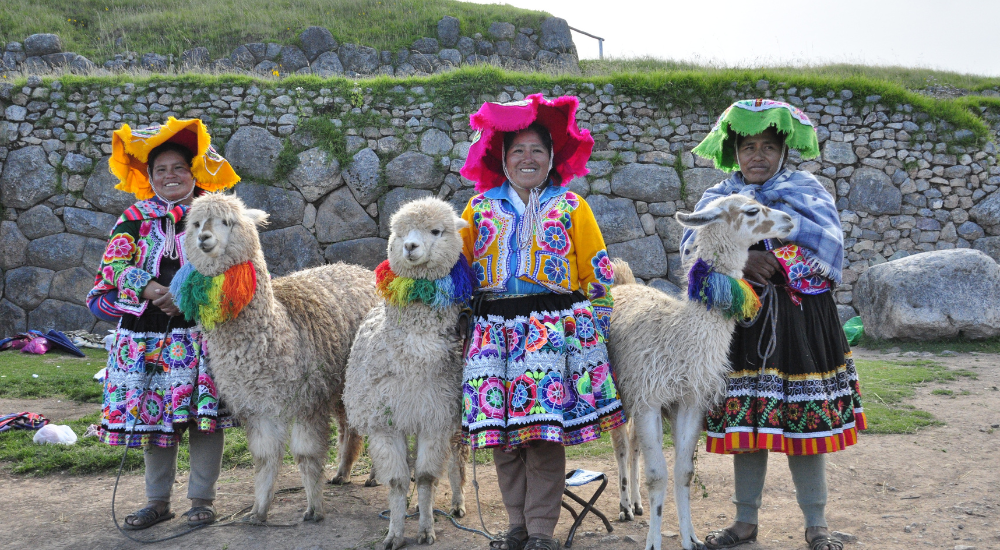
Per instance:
{"type": "Point", "coordinates": [567, 254]}
{"type": "Point", "coordinates": [132, 257]}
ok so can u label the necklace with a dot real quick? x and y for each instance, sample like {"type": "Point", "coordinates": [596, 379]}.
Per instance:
{"type": "Point", "coordinates": [734, 297]}
{"type": "Point", "coordinates": [456, 288]}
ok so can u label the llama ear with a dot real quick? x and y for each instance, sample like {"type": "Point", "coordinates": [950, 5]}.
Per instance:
{"type": "Point", "coordinates": [460, 224]}
{"type": "Point", "coordinates": [700, 218]}
{"type": "Point", "coordinates": [258, 217]}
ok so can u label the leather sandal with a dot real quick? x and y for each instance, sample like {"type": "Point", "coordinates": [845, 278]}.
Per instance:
{"type": "Point", "coordinates": [147, 517]}
{"type": "Point", "coordinates": [823, 541]}
{"type": "Point", "coordinates": [513, 539]}
{"type": "Point", "coordinates": [727, 538]}
{"type": "Point", "coordinates": [195, 510]}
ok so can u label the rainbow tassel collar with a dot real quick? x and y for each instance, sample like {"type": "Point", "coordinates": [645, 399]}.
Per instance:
{"type": "Point", "coordinates": [734, 297]}
{"type": "Point", "coordinates": [211, 300]}
{"type": "Point", "coordinates": [456, 288]}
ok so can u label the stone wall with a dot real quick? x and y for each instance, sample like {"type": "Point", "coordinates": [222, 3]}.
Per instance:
{"type": "Point", "coordinates": [902, 179]}
{"type": "Point", "coordinates": [549, 48]}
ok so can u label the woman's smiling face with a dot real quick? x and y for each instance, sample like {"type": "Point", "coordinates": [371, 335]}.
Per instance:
{"type": "Point", "coordinates": [528, 160]}
{"type": "Point", "coordinates": [171, 177]}
{"type": "Point", "coordinates": [760, 155]}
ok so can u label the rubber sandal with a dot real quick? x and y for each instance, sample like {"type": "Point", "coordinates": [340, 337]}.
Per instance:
{"type": "Point", "coordinates": [147, 517]}
{"type": "Point", "coordinates": [820, 542]}
{"type": "Point", "coordinates": [514, 539]}
{"type": "Point", "coordinates": [726, 538]}
{"type": "Point", "coordinates": [542, 543]}
{"type": "Point", "coordinates": [195, 510]}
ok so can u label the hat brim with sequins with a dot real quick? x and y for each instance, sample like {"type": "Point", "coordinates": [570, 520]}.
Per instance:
{"type": "Point", "coordinates": [130, 155]}
{"type": "Point", "coordinates": [571, 146]}
{"type": "Point", "coordinates": [750, 117]}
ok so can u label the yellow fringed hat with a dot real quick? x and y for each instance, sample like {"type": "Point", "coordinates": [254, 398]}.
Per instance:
{"type": "Point", "coordinates": [130, 154]}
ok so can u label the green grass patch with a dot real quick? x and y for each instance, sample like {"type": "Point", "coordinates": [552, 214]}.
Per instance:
{"type": "Point", "coordinates": [328, 137]}
{"type": "Point", "coordinates": [93, 27]}
{"type": "Point", "coordinates": [958, 345]}
{"type": "Point", "coordinates": [886, 384]}
{"type": "Point", "coordinates": [30, 376]}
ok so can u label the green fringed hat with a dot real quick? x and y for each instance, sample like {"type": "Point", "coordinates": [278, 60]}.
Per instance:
{"type": "Point", "coordinates": [749, 117]}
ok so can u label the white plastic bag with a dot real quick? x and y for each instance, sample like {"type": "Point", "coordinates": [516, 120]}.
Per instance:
{"type": "Point", "coordinates": [51, 433]}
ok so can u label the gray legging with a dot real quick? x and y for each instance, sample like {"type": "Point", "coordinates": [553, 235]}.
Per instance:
{"type": "Point", "coordinates": [206, 464]}
{"type": "Point", "coordinates": [808, 475]}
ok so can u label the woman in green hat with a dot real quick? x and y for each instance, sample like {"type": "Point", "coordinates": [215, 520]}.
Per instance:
{"type": "Point", "coordinates": [793, 388]}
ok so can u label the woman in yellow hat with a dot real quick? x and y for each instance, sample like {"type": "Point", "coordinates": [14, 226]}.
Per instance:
{"type": "Point", "coordinates": [158, 382]}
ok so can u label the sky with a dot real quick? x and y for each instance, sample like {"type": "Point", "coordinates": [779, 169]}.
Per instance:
{"type": "Point", "coordinates": [950, 35]}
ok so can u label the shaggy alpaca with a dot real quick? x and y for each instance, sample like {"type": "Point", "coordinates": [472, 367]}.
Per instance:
{"type": "Point", "coordinates": [404, 375]}
{"type": "Point", "coordinates": [278, 348]}
{"type": "Point", "coordinates": [670, 355]}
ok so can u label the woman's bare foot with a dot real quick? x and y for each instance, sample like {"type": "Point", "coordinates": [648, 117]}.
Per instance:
{"type": "Point", "coordinates": [200, 516]}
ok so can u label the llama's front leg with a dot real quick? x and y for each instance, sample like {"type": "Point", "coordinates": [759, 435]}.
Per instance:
{"type": "Point", "coordinates": [310, 437]}
{"type": "Point", "coordinates": [388, 452]}
{"type": "Point", "coordinates": [266, 441]}
{"type": "Point", "coordinates": [620, 444]}
{"type": "Point", "coordinates": [649, 426]}
{"type": "Point", "coordinates": [456, 475]}
{"type": "Point", "coordinates": [686, 429]}
{"type": "Point", "coordinates": [432, 451]}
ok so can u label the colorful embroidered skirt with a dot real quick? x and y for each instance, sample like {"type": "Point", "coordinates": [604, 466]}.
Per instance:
{"type": "Point", "coordinates": [537, 370]}
{"type": "Point", "coordinates": [154, 406]}
{"type": "Point", "coordinates": [806, 400]}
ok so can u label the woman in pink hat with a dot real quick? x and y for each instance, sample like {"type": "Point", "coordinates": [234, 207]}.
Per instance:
{"type": "Point", "coordinates": [537, 375]}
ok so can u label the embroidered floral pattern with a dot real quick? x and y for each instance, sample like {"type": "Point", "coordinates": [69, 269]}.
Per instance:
{"type": "Point", "coordinates": [555, 270]}
{"type": "Point", "coordinates": [554, 237]}
{"type": "Point", "coordinates": [603, 269]}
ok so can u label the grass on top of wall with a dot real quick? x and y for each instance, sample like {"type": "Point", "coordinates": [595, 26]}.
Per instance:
{"type": "Point", "coordinates": [909, 77]}
{"type": "Point", "coordinates": [92, 27]}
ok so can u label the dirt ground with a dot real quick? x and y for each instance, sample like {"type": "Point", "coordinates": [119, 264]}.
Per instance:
{"type": "Point", "coordinates": [939, 488]}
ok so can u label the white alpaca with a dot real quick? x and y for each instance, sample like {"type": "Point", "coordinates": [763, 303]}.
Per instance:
{"type": "Point", "coordinates": [280, 362]}
{"type": "Point", "coordinates": [670, 356]}
{"type": "Point", "coordinates": [404, 375]}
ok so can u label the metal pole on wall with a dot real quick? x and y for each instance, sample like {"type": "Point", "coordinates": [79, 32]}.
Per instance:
{"type": "Point", "coordinates": [600, 42]}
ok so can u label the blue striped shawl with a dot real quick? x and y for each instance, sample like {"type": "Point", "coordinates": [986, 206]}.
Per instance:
{"type": "Point", "coordinates": [800, 195]}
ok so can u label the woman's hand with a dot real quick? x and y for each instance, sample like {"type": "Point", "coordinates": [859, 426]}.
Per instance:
{"type": "Point", "coordinates": [161, 298]}
{"type": "Point", "coordinates": [761, 265]}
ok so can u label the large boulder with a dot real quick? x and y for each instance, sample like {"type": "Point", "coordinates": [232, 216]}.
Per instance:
{"type": "Point", "coordinates": [502, 31]}
{"type": "Point", "coordinates": [940, 294]}
{"type": "Point", "coordinates": [524, 48]}
{"type": "Point", "coordinates": [88, 223]}
{"type": "Point", "coordinates": [252, 151]}
{"type": "Point", "coordinates": [42, 44]}
{"type": "Point", "coordinates": [872, 191]}
{"type": "Point", "coordinates": [436, 142]}
{"type": "Point", "coordinates": [290, 249]}
{"type": "Point", "coordinates": [100, 190]}
{"type": "Point", "coordinates": [327, 65]}
{"type": "Point", "coordinates": [27, 178]}
{"type": "Point", "coordinates": [317, 174]}
{"type": "Point", "coordinates": [93, 254]}
{"type": "Point", "coordinates": [647, 182]}
{"type": "Point", "coordinates": [341, 218]}
{"type": "Point", "coordinates": [360, 59]}
{"type": "Point", "coordinates": [616, 218]}
{"type": "Point", "coordinates": [696, 181]}
{"type": "Point", "coordinates": [56, 252]}
{"type": "Point", "coordinates": [59, 315]}
{"type": "Point", "coordinates": [13, 245]}
{"type": "Point", "coordinates": [317, 40]}
{"type": "Point", "coordinates": [670, 232]}
{"type": "Point", "coordinates": [412, 169]}
{"type": "Point", "coordinates": [293, 59]}
{"type": "Point", "coordinates": [39, 221]}
{"type": "Point", "coordinates": [367, 252]}
{"type": "Point", "coordinates": [839, 152]}
{"type": "Point", "coordinates": [645, 256]}
{"type": "Point", "coordinates": [989, 246]}
{"type": "Point", "coordinates": [987, 213]}
{"type": "Point", "coordinates": [27, 286]}
{"type": "Point", "coordinates": [363, 176]}
{"type": "Point", "coordinates": [391, 202]}
{"type": "Point", "coordinates": [556, 36]}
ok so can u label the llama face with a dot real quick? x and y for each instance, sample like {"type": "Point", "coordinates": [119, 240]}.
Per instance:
{"type": "Point", "coordinates": [747, 220]}
{"type": "Point", "coordinates": [212, 235]}
{"type": "Point", "coordinates": [425, 242]}
{"type": "Point", "coordinates": [221, 232]}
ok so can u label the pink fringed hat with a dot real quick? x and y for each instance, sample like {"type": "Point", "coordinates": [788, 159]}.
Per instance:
{"type": "Point", "coordinates": [571, 146]}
